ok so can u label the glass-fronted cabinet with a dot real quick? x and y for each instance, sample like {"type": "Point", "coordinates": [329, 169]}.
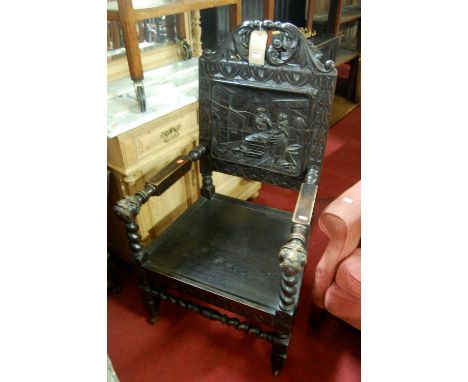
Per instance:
{"type": "Point", "coordinates": [342, 19]}
{"type": "Point", "coordinates": [152, 33]}
{"type": "Point", "coordinates": [138, 26]}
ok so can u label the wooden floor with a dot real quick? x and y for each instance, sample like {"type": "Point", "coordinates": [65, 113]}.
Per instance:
{"type": "Point", "coordinates": [341, 107]}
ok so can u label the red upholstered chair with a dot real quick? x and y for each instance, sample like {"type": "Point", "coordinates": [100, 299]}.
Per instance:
{"type": "Point", "coordinates": [337, 283]}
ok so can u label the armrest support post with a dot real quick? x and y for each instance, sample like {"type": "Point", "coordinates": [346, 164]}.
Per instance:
{"type": "Point", "coordinates": [293, 255]}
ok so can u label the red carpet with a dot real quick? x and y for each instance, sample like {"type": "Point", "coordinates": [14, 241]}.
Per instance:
{"type": "Point", "coordinates": [183, 346]}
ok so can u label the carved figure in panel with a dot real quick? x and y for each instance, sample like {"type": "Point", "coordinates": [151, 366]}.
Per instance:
{"type": "Point", "coordinates": [259, 128]}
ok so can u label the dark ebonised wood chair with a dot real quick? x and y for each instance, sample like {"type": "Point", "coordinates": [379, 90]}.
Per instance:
{"type": "Point", "coordinates": [267, 123]}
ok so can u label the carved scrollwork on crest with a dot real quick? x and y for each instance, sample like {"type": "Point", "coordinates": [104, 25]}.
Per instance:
{"type": "Point", "coordinates": [290, 46]}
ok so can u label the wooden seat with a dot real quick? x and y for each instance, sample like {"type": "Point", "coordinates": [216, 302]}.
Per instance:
{"type": "Point", "coordinates": [267, 123]}
{"type": "Point", "coordinates": [239, 260]}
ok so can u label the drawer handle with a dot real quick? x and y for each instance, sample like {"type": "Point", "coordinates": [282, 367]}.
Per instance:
{"type": "Point", "coordinates": [170, 134]}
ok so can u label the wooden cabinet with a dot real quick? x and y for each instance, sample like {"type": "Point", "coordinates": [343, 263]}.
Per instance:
{"type": "Point", "coordinates": [185, 30]}
{"type": "Point", "coordinates": [137, 155]}
{"type": "Point", "coordinates": [134, 152]}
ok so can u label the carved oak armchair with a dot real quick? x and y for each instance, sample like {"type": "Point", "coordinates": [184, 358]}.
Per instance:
{"type": "Point", "coordinates": [267, 123]}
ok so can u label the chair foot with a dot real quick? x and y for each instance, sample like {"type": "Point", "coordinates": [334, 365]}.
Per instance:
{"type": "Point", "coordinates": [151, 302]}
{"type": "Point", "coordinates": [152, 320]}
{"type": "Point", "coordinates": [279, 354]}
{"type": "Point", "coordinates": [152, 306]}
{"type": "Point", "coordinates": [277, 363]}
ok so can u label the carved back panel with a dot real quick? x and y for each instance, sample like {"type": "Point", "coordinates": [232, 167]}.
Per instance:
{"type": "Point", "coordinates": [267, 123]}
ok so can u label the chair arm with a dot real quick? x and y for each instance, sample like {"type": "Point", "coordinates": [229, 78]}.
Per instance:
{"type": "Point", "coordinates": [341, 221]}
{"type": "Point", "coordinates": [293, 255]}
{"type": "Point", "coordinates": [127, 209]}
{"type": "Point", "coordinates": [174, 171]}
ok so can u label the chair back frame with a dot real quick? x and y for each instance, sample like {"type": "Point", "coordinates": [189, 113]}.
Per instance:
{"type": "Point", "coordinates": [265, 122]}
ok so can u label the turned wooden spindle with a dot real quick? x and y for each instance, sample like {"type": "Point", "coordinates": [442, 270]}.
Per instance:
{"type": "Point", "coordinates": [196, 33]}
{"type": "Point", "coordinates": [127, 210]}
{"type": "Point", "coordinates": [214, 315]}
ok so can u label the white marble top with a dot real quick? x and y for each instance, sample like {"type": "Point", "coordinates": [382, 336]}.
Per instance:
{"type": "Point", "coordinates": [167, 89]}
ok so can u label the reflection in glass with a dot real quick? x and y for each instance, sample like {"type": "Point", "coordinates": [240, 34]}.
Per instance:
{"type": "Point", "coordinates": [152, 33]}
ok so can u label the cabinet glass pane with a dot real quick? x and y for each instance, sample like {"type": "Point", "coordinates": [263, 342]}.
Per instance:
{"type": "Point", "coordinates": [152, 33]}
{"type": "Point", "coordinates": [350, 10]}
{"type": "Point", "coordinates": [321, 9]}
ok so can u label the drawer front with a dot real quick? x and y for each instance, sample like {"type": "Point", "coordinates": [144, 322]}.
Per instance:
{"type": "Point", "coordinates": [140, 144]}
{"type": "Point", "coordinates": [162, 136]}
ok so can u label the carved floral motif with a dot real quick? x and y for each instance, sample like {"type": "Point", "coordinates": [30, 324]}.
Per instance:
{"type": "Point", "coordinates": [290, 47]}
